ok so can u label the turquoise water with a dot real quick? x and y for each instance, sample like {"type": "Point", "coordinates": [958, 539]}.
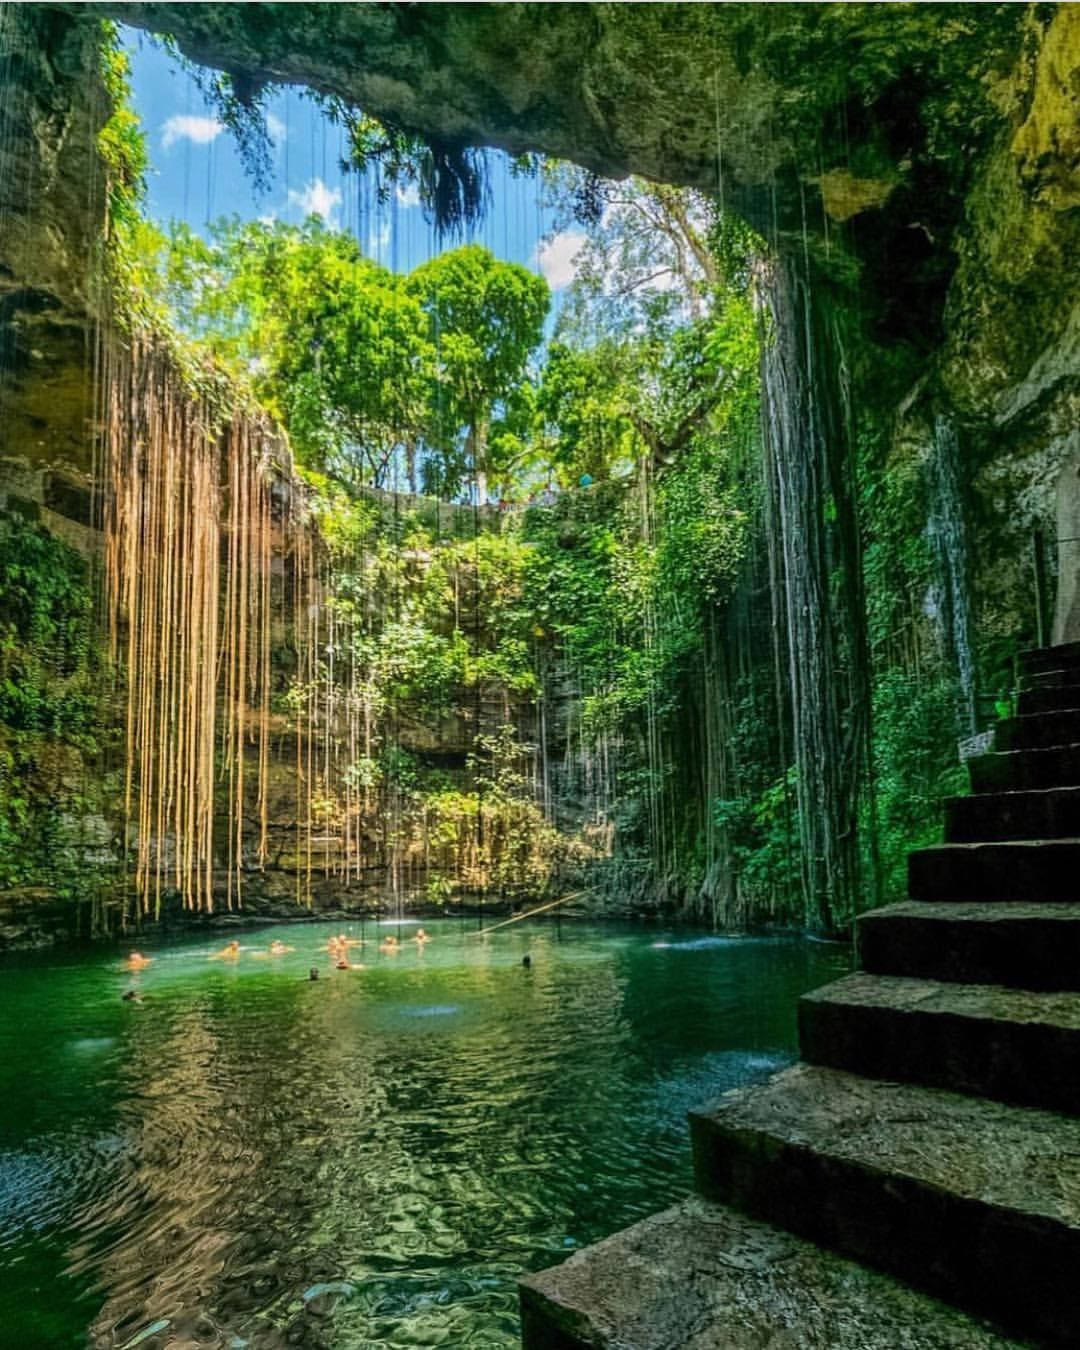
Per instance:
{"type": "Point", "coordinates": [249, 1158]}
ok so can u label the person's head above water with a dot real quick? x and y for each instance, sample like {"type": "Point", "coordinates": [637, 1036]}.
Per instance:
{"type": "Point", "coordinates": [313, 973]}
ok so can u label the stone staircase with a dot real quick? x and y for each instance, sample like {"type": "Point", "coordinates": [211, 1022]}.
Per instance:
{"type": "Point", "coordinates": [927, 1147]}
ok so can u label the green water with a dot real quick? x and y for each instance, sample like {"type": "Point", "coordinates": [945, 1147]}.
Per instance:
{"type": "Point", "coordinates": [247, 1158]}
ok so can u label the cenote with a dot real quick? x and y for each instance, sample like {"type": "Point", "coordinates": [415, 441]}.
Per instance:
{"type": "Point", "coordinates": [247, 1157]}
{"type": "Point", "coordinates": [612, 469]}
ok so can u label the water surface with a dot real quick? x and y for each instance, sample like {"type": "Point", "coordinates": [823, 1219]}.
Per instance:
{"type": "Point", "coordinates": [247, 1158]}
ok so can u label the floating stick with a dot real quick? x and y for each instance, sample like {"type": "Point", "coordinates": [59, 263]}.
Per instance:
{"type": "Point", "coordinates": [481, 932]}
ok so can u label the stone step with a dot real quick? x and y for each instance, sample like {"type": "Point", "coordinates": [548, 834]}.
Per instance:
{"type": "Point", "coordinates": [1048, 698]}
{"type": "Point", "coordinates": [1050, 658]}
{"type": "Point", "coordinates": [702, 1277]}
{"type": "Point", "coordinates": [1021, 945]}
{"type": "Point", "coordinates": [973, 1200]}
{"type": "Point", "coordinates": [1043, 813]}
{"type": "Point", "coordinates": [1051, 678]}
{"type": "Point", "coordinates": [1019, 770]}
{"type": "Point", "coordinates": [1038, 731]}
{"type": "Point", "coordinates": [1033, 870]}
{"type": "Point", "coordinates": [1011, 1044]}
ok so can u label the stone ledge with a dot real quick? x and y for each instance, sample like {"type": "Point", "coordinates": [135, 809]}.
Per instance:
{"type": "Point", "coordinates": [974, 1201]}
{"type": "Point", "coordinates": [702, 1277]}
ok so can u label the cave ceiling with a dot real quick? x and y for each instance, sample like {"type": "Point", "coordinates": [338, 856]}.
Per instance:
{"type": "Point", "coordinates": [838, 100]}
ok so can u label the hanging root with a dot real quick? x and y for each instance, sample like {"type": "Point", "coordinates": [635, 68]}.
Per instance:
{"type": "Point", "coordinates": [193, 630]}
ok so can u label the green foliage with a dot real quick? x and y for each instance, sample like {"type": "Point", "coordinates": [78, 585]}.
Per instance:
{"type": "Point", "coordinates": [916, 766]}
{"type": "Point", "coordinates": [582, 411]}
{"type": "Point", "coordinates": [761, 832]}
{"type": "Point", "coordinates": [45, 647]}
{"type": "Point", "coordinates": [485, 319]}
{"type": "Point", "coordinates": [367, 370]}
{"type": "Point", "coordinates": [121, 142]}
{"type": "Point", "coordinates": [51, 703]}
{"type": "Point", "coordinates": [334, 343]}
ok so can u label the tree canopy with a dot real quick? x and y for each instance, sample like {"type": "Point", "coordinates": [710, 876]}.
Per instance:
{"type": "Point", "coordinates": [486, 318]}
{"type": "Point", "coordinates": [362, 365]}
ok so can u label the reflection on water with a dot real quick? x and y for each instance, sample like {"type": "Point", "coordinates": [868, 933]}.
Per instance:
{"type": "Point", "coordinates": [250, 1158]}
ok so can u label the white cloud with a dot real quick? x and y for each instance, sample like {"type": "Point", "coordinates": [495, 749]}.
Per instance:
{"type": "Point", "coordinates": [316, 200]}
{"type": "Point", "coordinates": [182, 127]}
{"type": "Point", "coordinates": [378, 239]}
{"type": "Point", "coordinates": [275, 128]}
{"type": "Point", "coordinates": [409, 195]}
{"type": "Point", "coordinates": [556, 258]}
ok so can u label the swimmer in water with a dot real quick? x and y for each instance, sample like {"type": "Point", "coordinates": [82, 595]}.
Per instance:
{"type": "Point", "coordinates": [390, 944]}
{"type": "Point", "coordinates": [230, 952]}
{"type": "Point", "coordinates": [132, 996]}
{"type": "Point", "coordinates": [421, 937]}
{"type": "Point", "coordinates": [136, 961]}
{"type": "Point", "coordinates": [279, 948]}
{"type": "Point", "coordinates": [343, 963]}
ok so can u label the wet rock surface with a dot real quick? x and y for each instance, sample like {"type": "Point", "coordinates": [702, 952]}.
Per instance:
{"type": "Point", "coordinates": [702, 1277]}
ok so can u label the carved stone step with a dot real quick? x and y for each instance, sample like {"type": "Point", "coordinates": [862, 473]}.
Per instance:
{"type": "Point", "coordinates": [975, 1201]}
{"type": "Point", "coordinates": [1020, 770]}
{"type": "Point", "coordinates": [1032, 870]}
{"type": "Point", "coordinates": [1050, 678]}
{"type": "Point", "coordinates": [1050, 658]}
{"type": "Point", "coordinates": [1014, 1045]}
{"type": "Point", "coordinates": [1042, 813]}
{"type": "Point", "coordinates": [1047, 698]}
{"type": "Point", "coordinates": [702, 1277]}
{"type": "Point", "coordinates": [1022, 945]}
{"type": "Point", "coordinates": [1038, 731]}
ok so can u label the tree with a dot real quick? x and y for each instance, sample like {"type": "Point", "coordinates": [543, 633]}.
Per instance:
{"type": "Point", "coordinates": [647, 261]}
{"type": "Point", "coordinates": [336, 345]}
{"type": "Point", "coordinates": [485, 319]}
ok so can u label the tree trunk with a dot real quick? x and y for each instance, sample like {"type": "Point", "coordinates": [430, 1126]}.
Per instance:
{"type": "Point", "coordinates": [477, 445]}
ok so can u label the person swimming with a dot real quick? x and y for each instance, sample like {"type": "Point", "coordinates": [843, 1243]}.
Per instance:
{"type": "Point", "coordinates": [136, 961]}
{"type": "Point", "coordinates": [389, 944]}
{"type": "Point", "coordinates": [343, 963]}
{"type": "Point", "coordinates": [279, 948]}
{"type": "Point", "coordinates": [230, 952]}
{"type": "Point", "coordinates": [421, 937]}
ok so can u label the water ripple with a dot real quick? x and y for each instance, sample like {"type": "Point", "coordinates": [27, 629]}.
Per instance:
{"type": "Point", "coordinates": [251, 1159]}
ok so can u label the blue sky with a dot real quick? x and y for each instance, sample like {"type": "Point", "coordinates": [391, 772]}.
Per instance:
{"type": "Point", "coordinates": [196, 176]}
